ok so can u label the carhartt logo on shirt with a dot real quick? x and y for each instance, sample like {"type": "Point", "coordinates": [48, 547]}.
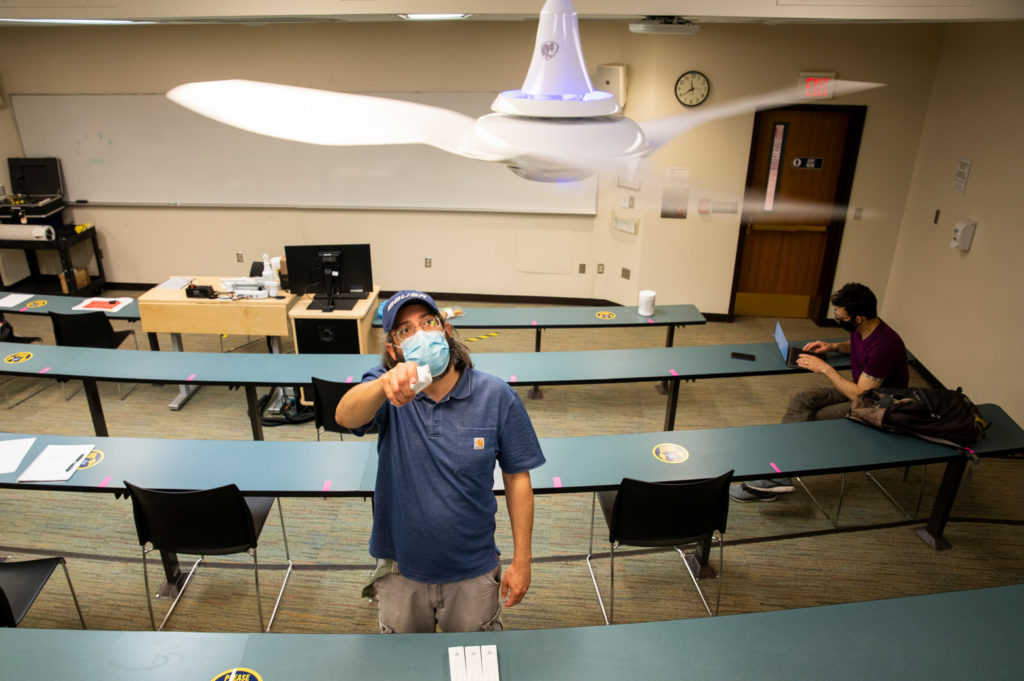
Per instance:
{"type": "Point", "coordinates": [478, 443]}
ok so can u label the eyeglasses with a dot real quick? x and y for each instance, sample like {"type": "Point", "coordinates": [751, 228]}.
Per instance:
{"type": "Point", "coordinates": [406, 330]}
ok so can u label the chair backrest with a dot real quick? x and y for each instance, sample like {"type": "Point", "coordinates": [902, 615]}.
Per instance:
{"type": "Point", "coordinates": [83, 330]}
{"type": "Point", "coordinates": [6, 614]}
{"type": "Point", "coordinates": [326, 395]}
{"type": "Point", "coordinates": [669, 513]}
{"type": "Point", "coordinates": [213, 521]}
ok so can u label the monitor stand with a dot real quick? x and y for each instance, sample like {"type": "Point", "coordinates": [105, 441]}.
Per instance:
{"type": "Point", "coordinates": [342, 301]}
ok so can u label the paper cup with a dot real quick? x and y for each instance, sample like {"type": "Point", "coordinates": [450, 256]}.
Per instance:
{"type": "Point", "coordinates": [646, 303]}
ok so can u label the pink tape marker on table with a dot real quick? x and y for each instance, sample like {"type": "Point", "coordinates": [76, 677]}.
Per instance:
{"type": "Point", "coordinates": [24, 309]}
{"type": "Point", "coordinates": [190, 377]}
{"type": "Point", "coordinates": [512, 378]}
{"type": "Point", "coordinates": [650, 320]}
{"type": "Point", "coordinates": [534, 322]}
{"type": "Point", "coordinates": [557, 481]}
{"type": "Point", "coordinates": [673, 372]}
{"type": "Point", "coordinates": [43, 371]}
{"type": "Point", "coordinates": [348, 380]}
{"type": "Point", "coordinates": [106, 481]}
{"type": "Point", "coordinates": [774, 467]}
{"type": "Point", "coordinates": [327, 486]}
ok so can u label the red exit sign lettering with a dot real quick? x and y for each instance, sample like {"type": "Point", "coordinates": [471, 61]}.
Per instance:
{"type": "Point", "coordinates": [817, 85]}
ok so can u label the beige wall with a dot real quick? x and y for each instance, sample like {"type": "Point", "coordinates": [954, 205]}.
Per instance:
{"type": "Point", "coordinates": [961, 312]}
{"type": "Point", "coordinates": [515, 254]}
{"type": "Point", "coordinates": [940, 300]}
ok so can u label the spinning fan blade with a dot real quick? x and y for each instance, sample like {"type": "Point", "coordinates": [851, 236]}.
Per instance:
{"type": "Point", "coordinates": [661, 131]}
{"type": "Point", "coordinates": [323, 117]}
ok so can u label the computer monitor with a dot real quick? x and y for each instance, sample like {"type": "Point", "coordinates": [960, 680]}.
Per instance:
{"type": "Point", "coordinates": [338, 275]}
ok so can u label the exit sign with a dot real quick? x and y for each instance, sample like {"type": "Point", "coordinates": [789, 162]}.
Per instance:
{"type": "Point", "coordinates": [817, 85]}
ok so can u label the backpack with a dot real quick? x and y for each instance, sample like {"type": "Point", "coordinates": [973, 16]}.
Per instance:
{"type": "Point", "coordinates": [946, 417]}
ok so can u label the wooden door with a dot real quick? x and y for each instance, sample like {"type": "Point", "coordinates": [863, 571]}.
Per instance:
{"type": "Point", "coordinates": [798, 182]}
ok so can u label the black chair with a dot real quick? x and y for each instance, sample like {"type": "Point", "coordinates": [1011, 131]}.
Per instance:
{"type": "Point", "coordinates": [22, 582]}
{"type": "Point", "coordinates": [326, 395]}
{"type": "Point", "coordinates": [89, 330]}
{"type": "Point", "coordinates": [664, 514]}
{"type": "Point", "coordinates": [215, 522]}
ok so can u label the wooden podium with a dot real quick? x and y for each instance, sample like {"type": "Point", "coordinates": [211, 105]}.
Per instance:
{"type": "Point", "coordinates": [346, 332]}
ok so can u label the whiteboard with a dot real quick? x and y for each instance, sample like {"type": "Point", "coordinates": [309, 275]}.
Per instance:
{"type": "Point", "coordinates": [145, 149]}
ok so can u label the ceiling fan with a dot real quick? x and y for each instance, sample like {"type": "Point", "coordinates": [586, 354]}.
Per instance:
{"type": "Point", "coordinates": [557, 128]}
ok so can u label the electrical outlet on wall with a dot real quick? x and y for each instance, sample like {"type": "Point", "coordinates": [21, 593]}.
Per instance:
{"type": "Point", "coordinates": [600, 268]}
{"type": "Point", "coordinates": [427, 262]}
{"type": "Point", "coordinates": [239, 257]}
{"type": "Point", "coordinates": [583, 268]}
{"type": "Point", "coordinates": [625, 273]}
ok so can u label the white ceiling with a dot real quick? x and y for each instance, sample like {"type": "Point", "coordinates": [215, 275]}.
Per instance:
{"type": "Point", "coordinates": [698, 11]}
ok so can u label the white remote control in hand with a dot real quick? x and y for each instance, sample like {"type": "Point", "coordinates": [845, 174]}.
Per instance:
{"type": "Point", "coordinates": [424, 378]}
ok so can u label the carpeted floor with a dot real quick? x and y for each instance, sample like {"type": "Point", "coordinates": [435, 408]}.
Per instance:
{"type": "Point", "coordinates": [782, 554]}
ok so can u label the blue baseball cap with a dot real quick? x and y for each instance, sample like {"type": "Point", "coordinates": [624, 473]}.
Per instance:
{"type": "Point", "coordinates": [400, 300]}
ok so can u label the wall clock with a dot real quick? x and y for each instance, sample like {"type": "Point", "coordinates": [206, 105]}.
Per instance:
{"type": "Point", "coordinates": [692, 88]}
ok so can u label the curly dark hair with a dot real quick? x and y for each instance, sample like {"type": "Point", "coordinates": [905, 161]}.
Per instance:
{"type": "Point", "coordinates": [858, 300]}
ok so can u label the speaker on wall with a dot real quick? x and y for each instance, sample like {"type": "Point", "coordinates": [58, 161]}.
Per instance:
{"type": "Point", "coordinates": [612, 78]}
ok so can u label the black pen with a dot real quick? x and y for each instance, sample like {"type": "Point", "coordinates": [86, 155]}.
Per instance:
{"type": "Point", "coordinates": [74, 463]}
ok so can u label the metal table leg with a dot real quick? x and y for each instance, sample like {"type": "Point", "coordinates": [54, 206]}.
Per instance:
{"type": "Point", "coordinates": [931, 534]}
{"type": "Point", "coordinates": [185, 391]}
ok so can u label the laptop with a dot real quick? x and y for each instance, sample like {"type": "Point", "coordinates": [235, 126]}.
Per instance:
{"type": "Point", "coordinates": [789, 354]}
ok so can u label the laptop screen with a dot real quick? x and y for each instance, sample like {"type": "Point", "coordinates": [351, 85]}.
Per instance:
{"type": "Point", "coordinates": [780, 338]}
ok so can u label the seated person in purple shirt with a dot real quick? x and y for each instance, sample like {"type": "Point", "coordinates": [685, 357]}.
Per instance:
{"type": "Point", "coordinates": [434, 504]}
{"type": "Point", "coordinates": [877, 358]}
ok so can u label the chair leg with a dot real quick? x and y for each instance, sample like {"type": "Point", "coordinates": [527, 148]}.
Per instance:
{"type": "Point", "coordinates": [590, 567]}
{"type": "Point", "coordinates": [693, 578]}
{"type": "Point", "coordinates": [67, 398]}
{"type": "Point", "coordinates": [181, 592]}
{"type": "Point", "coordinates": [122, 394]}
{"type": "Point", "coordinates": [71, 588]}
{"type": "Point", "coordinates": [149, 599]}
{"type": "Point", "coordinates": [287, 574]}
{"type": "Point", "coordinates": [7, 396]}
{"type": "Point", "coordinates": [839, 507]}
{"type": "Point", "coordinates": [696, 583]}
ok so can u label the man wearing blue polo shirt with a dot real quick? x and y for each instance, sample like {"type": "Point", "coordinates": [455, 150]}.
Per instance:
{"type": "Point", "coordinates": [434, 504]}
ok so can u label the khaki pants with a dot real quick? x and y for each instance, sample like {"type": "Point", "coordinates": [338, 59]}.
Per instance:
{"type": "Point", "coordinates": [408, 607]}
{"type": "Point", "coordinates": [819, 404]}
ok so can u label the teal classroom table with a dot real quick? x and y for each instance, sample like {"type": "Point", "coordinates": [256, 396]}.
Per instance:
{"type": "Point", "coordinates": [574, 464]}
{"type": "Point", "coordinates": [939, 637]}
{"type": "Point", "coordinates": [673, 365]}
{"type": "Point", "coordinates": [42, 304]}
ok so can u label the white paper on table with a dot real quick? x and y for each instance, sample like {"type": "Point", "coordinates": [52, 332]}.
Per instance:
{"type": "Point", "coordinates": [14, 299]}
{"type": "Point", "coordinates": [175, 283]}
{"type": "Point", "coordinates": [12, 452]}
{"type": "Point", "coordinates": [55, 463]}
{"type": "Point", "coordinates": [103, 304]}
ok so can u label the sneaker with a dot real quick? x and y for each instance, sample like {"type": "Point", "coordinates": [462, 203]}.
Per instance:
{"type": "Point", "coordinates": [743, 494]}
{"type": "Point", "coordinates": [771, 486]}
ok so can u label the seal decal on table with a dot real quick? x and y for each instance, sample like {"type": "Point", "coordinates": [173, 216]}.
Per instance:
{"type": "Point", "coordinates": [238, 674]}
{"type": "Point", "coordinates": [670, 452]}
{"type": "Point", "coordinates": [91, 459]}
{"type": "Point", "coordinates": [17, 357]}
{"type": "Point", "coordinates": [605, 314]}
{"type": "Point", "coordinates": [36, 303]}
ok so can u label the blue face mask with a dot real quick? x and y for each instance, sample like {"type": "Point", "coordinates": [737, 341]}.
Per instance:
{"type": "Point", "coordinates": [429, 348]}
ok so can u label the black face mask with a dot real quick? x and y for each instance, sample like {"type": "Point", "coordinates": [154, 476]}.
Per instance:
{"type": "Point", "coordinates": [847, 324]}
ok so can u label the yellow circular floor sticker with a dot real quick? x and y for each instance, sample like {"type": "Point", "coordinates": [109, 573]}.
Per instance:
{"type": "Point", "coordinates": [17, 358]}
{"type": "Point", "coordinates": [238, 674]}
{"type": "Point", "coordinates": [91, 459]}
{"type": "Point", "coordinates": [605, 315]}
{"type": "Point", "coordinates": [669, 452]}
{"type": "Point", "coordinates": [36, 303]}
